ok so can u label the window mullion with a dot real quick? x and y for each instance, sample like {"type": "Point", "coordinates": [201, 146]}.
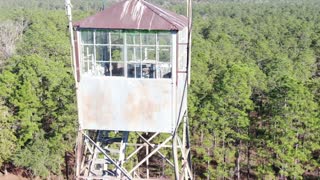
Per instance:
{"type": "Point", "coordinates": [140, 55]}
{"type": "Point", "coordinates": [157, 56]}
{"type": "Point", "coordinates": [125, 55]}
{"type": "Point", "coordinates": [94, 53]}
{"type": "Point", "coordinates": [110, 55]}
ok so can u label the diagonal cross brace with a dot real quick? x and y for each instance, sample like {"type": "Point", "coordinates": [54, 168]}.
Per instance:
{"type": "Point", "coordinates": [110, 159]}
{"type": "Point", "coordinates": [153, 152]}
{"type": "Point", "coordinates": [163, 156]}
{"type": "Point", "coordinates": [138, 149]}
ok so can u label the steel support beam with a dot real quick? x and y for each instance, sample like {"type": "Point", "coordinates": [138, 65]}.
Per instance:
{"type": "Point", "coordinates": [163, 156]}
{"type": "Point", "coordinates": [108, 157]}
{"type": "Point", "coordinates": [152, 153]}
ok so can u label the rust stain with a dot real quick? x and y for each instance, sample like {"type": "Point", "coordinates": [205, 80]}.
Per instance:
{"type": "Point", "coordinates": [141, 109]}
{"type": "Point", "coordinates": [123, 105]}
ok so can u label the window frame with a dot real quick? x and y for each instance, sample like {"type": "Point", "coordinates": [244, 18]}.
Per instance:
{"type": "Point", "coordinates": [143, 59]}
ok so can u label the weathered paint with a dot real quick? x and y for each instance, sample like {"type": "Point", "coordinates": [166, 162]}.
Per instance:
{"type": "Point", "coordinates": [111, 103]}
{"type": "Point", "coordinates": [76, 45]}
{"type": "Point", "coordinates": [125, 104]}
{"type": "Point", "coordinates": [134, 14]}
{"type": "Point", "coordinates": [182, 87]}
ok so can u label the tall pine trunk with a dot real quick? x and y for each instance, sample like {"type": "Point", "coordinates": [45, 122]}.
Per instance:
{"type": "Point", "coordinates": [238, 156]}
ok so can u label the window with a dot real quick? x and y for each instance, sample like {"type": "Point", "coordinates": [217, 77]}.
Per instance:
{"type": "Point", "coordinates": [132, 54]}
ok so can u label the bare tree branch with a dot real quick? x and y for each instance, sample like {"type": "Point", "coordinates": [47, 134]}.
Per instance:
{"type": "Point", "coordinates": [10, 33]}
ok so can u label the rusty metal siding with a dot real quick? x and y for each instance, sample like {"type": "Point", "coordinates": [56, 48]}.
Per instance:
{"type": "Point", "coordinates": [125, 104]}
{"type": "Point", "coordinates": [134, 14]}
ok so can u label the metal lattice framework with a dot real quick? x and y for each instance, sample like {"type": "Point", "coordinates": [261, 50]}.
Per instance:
{"type": "Point", "coordinates": [96, 159]}
{"type": "Point", "coordinates": [104, 154]}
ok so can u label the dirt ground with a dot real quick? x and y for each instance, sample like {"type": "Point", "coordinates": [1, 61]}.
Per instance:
{"type": "Point", "coordinates": [11, 177]}
{"type": "Point", "coordinates": [15, 177]}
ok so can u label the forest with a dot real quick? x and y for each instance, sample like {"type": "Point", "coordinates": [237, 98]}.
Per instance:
{"type": "Point", "coordinates": [253, 102]}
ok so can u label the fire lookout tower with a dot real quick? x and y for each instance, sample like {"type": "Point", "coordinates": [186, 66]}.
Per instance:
{"type": "Point", "coordinates": [132, 66]}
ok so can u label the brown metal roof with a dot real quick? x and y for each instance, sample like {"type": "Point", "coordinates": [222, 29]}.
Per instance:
{"type": "Point", "coordinates": [134, 14]}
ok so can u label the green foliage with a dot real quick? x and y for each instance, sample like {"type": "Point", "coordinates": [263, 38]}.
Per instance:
{"type": "Point", "coordinates": [40, 94]}
{"type": "Point", "coordinates": [7, 137]}
{"type": "Point", "coordinates": [255, 89]}
{"type": "Point", "coordinates": [37, 87]}
{"type": "Point", "coordinates": [253, 102]}
{"type": "Point", "coordinates": [39, 157]}
{"type": "Point", "coordinates": [293, 119]}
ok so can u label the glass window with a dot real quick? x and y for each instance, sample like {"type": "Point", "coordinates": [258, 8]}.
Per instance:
{"type": "Point", "coordinates": [134, 54]}
{"type": "Point", "coordinates": [116, 37]}
{"type": "Point", "coordinates": [102, 37]}
{"type": "Point", "coordinates": [133, 38]}
{"type": "Point", "coordinates": [164, 54]}
{"type": "Point", "coordinates": [134, 70]}
{"type": "Point", "coordinates": [148, 70]}
{"type": "Point", "coordinates": [103, 69]}
{"type": "Point", "coordinates": [87, 37]}
{"type": "Point", "coordinates": [117, 69]}
{"type": "Point", "coordinates": [164, 38]}
{"type": "Point", "coordinates": [87, 66]}
{"type": "Point", "coordinates": [117, 53]}
{"type": "Point", "coordinates": [87, 52]}
{"type": "Point", "coordinates": [149, 53]}
{"type": "Point", "coordinates": [148, 38]}
{"type": "Point", "coordinates": [102, 53]}
{"type": "Point", "coordinates": [164, 70]}
{"type": "Point", "coordinates": [87, 58]}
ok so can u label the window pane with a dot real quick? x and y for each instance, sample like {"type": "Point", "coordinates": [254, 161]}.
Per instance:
{"type": "Point", "coordinates": [164, 70]}
{"type": "Point", "coordinates": [116, 37]}
{"type": "Point", "coordinates": [148, 38]}
{"type": "Point", "coordinates": [149, 53]}
{"type": "Point", "coordinates": [87, 52]}
{"type": "Point", "coordinates": [102, 53]}
{"type": "Point", "coordinates": [164, 54]}
{"type": "Point", "coordinates": [117, 53]}
{"type": "Point", "coordinates": [103, 69]}
{"type": "Point", "coordinates": [134, 70]}
{"type": "Point", "coordinates": [133, 38]}
{"type": "Point", "coordinates": [134, 53]}
{"type": "Point", "coordinates": [87, 67]}
{"type": "Point", "coordinates": [148, 70]}
{"type": "Point", "coordinates": [87, 37]}
{"type": "Point", "coordinates": [164, 38]}
{"type": "Point", "coordinates": [102, 37]}
{"type": "Point", "coordinates": [117, 69]}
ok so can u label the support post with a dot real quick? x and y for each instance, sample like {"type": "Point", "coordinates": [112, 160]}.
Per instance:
{"type": "Point", "coordinates": [150, 154]}
{"type": "Point", "coordinates": [68, 7]}
{"type": "Point", "coordinates": [147, 163]}
{"type": "Point", "coordinates": [107, 156]}
{"type": "Point", "coordinates": [175, 156]}
{"type": "Point", "coordinates": [79, 151]}
{"type": "Point", "coordinates": [122, 150]}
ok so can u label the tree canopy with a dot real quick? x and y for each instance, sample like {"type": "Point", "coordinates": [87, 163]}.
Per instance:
{"type": "Point", "coordinates": [253, 101]}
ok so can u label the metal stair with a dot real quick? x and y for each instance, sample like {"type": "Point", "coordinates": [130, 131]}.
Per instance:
{"type": "Point", "coordinates": [101, 165]}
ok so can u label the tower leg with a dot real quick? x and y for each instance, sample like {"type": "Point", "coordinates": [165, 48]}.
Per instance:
{"type": "Point", "coordinates": [182, 171]}
{"type": "Point", "coordinates": [79, 152]}
{"type": "Point", "coordinates": [122, 150]}
{"type": "Point", "coordinates": [96, 161]}
{"type": "Point", "coordinates": [175, 156]}
{"type": "Point", "coordinates": [103, 154]}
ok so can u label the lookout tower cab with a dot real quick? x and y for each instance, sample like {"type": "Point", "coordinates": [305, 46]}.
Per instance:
{"type": "Point", "coordinates": [132, 69]}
